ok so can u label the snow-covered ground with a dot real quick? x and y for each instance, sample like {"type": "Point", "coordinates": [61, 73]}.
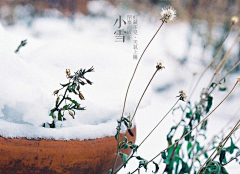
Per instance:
{"type": "Point", "coordinates": [29, 78]}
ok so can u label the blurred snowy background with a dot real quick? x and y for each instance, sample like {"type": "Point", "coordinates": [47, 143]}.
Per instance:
{"type": "Point", "coordinates": [71, 34]}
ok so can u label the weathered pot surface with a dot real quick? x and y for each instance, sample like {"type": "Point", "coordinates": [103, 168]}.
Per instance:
{"type": "Point", "coordinates": [57, 156]}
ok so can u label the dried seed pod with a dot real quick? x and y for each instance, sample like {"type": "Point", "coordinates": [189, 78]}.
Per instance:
{"type": "Point", "coordinates": [57, 100]}
{"type": "Point", "coordinates": [71, 113]}
{"type": "Point", "coordinates": [55, 92]}
{"type": "Point", "coordinates": [81, 96]}
{"type": "Point", "coordinates": [68, 72]}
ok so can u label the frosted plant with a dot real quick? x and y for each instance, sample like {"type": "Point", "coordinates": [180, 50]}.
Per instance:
{"type": "Point", "coordinates": [73, 86]}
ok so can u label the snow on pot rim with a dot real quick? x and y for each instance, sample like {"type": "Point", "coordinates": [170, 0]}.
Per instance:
{"type": "Point", "coordinates": [80, 132]}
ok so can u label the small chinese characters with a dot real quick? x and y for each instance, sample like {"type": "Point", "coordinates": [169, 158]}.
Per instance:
{"type": "Point", "coordinates": [127, 30]}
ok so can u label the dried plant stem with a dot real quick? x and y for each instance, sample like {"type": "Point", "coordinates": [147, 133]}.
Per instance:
{"type": "Point", "coordinates": [232, 159]}
{"type": "Point", "coordinates": [221, 144]}
{"type": "Point", "coordinates": [150, 133]}
{"type": "Point", "coordinates": [231, 70]}
{"type": "Point", "coordinates": [144, 93]}
{"type": "Point", "coordinates": [221, 131]}
{"type": "Point", "coordinates": [205, 70]}
{"type": "Point", "coordinates": [228, 136]}
{"type": "Point", "coordinates": [210, 64]}
{"type": "Point", "coordinates": [196, 125]}
{"type": "Point", "coordinates": [125, 99]}
{"type": "Point", "coordinates": [158, 123]}
{"type": "Point", "coordinates": [224, 60]}
{"type": "Point", "coordinates": [124, 104]}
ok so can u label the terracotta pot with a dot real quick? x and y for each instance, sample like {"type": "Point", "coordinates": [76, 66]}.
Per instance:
{"type": "Point", "coordinates": [58, 156]}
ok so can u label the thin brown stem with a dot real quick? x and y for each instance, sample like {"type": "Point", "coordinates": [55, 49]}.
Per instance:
{"type": "Point", "coordinates": [231, 70]}
{"type": "Point", "coordinates": [221, 131]}
{"type": "Point", "coordinates": [125, 99]}
{"type": "Point", "coordinates": [148, 135]}
{"type": "Point", "coordinates": [221, 144]}
{"type": "Point", "coordinates": [124, 104]}
{"type": "Point", "coordinates": [197, 124]}
{"type": "Point", "coordinates": [158, 123]}
{"type": "Point", "coordinates": [144, 93]}
{"type": "Point", "coordinates": [232, 159]}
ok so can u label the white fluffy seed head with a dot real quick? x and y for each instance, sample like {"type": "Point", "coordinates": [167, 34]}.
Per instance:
{"type": "Point", "coordinates": [234, 20]}
{"type": "Point", "coordinates": [168, 14]}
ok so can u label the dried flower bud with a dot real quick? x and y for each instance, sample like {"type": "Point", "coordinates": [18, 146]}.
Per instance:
{"type": "Point", "coordinates": [71, 113]}
{"type": "Point", "coordinates": [90, 69]}
{"type": "Point", "coordinates": [89, 82]}
{"type": "Point", "coordinates": [160, 66]}
{"type": "Point", "coordinates": [81, 96]}
{"type": "Point", "coordinates": [68, 72]}
{"type": "Point", "coordinates": [168, 14]}
{"type": "Point", "coordinates": [182, 95]}
{"type": "Point", "coordinates": [55, 92]}
{"type": "Point", "coordinates": [234, 20]}
{"type": "Point", "coordinates": [238, 79]}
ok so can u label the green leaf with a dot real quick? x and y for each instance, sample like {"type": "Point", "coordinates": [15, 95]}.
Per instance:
{"type": "Point", "coordinates": [189, 149]}
{"type": "Point", "coordinates": [189, 145]}
{"type": "Point", "coordinates": [199, 148]}
{"type": "Point", "coordinates": [163, 154]}
{"type": "Point", "coordinates": [143, 163]}
{"type": "Point", "coordinates": [223, 170]}
{"type": "Point", "coordinates": [185, 168]}
{"type": "Point", "coordinates": [209, 103]}
{"type": "Point", "coordinates": [124, 157]}
{"type": "Point", "coordinates": [125, 146]}
{"type": "Point", "coordinates": [177, 108]}
{"type": "Point", "coordinates": [189, 114]}
{"type": "Point", "coordinates": [65, 107]}
{"type": "Point", "coordinates": [64, 85]}
{"type": "Point", "coordinates": [134, 147]}
{"type": "Point", "coordinates": [116, 136]}
{"type": "Point", "coordinates": [232, 146]}
{"type": "Point", "coordinates": [156, 167]}
{"type": "Point", "coordinates": [222, 88]}
{"type": "Point", "coordinates": [222, 155]}
{"type": "Point", "coordinates": [203, 136]}
{"type": "Point", "coordinates": [51, 113]}
{"type": "Point", "coordinates": [218, 168]}
{"type": "Point", "coordinates": [59, 116]}
{"type": "Point", "coordinates": [139, 158]}
{"type": "Point", "coordinates": [198, 114]}
{"type": "Point", "coordinates": [130, 132]}
{"type": "Point", "coordinates": [205, 155]}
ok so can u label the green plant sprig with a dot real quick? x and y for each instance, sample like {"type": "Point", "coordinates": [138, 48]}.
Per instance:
{"type": "Point", "coordinates": [74, 84]}
{"type": "Point", "coordinates": [136, 147]}
{"type": "Point", "coordinates": [205, 118]}
{"type": "Point", "coordinates": [219, 149]}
